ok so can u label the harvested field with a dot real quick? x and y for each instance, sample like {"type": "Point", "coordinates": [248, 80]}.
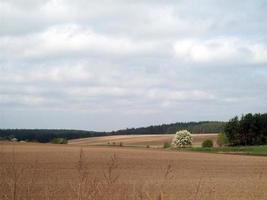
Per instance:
{"type": "Point", "coordinates": [140, 140]}
{"type": "Point", "coordinates": [44, 171]}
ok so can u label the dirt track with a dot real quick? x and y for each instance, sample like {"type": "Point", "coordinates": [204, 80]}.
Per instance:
{"type": "Point", "coordinates": [191, 175]}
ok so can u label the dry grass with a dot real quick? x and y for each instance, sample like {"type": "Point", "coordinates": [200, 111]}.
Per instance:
{"type": "Point", "coordinates": [155, 141]}
{"type": "Point", "coordinates": [55, 172]}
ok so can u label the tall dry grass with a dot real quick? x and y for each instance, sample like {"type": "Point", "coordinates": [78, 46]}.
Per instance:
{"type": "Point", "coordinates": [31, 181]}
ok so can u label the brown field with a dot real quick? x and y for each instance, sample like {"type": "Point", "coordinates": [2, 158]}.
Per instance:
{"type": "Point", "coordinates": [155, 141]}
{"type": "Point", "coordinates": [69, 172]}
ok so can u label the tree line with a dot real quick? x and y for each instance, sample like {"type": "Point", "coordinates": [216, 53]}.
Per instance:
{"type": "Point", "coordinates": [47, 135]}
{"type": "Point", "coordinates": [250, 129]}
{"type": "Point", "coordinates": [193, 127]}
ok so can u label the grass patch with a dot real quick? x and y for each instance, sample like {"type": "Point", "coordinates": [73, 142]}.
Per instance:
{"type": "Point", "coordinates": [246, 150]}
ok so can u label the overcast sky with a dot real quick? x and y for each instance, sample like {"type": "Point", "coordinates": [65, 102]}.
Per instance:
{"type": "Point", "coordinates": [111, 64]}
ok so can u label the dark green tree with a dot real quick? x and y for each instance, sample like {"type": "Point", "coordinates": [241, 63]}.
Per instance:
{"type": "Point", "coordinates": [249, 130]}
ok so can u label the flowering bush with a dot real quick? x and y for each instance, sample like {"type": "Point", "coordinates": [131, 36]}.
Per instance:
{"type": "Point", "coordinates": [182, 138]}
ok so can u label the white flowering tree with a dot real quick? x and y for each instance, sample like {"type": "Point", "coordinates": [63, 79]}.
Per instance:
{"type": "Point", "coordinates": [182, 139]}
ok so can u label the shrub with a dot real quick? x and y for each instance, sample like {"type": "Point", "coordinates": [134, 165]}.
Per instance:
{"type": "Point", "coordinates": [222, 140]}
{"type": "Point", "coordinates": [166, 145]}
{"type": "Point", "coordinates": [121, 144]}
{"type": "Point", "coordinates": [147, 146]}
{"type": "Point", "coordinates": [207, 143]}
{"type": "Point", "coordinates": [182, 139]}
{"type": "Point", "coordinates": [59, 141]}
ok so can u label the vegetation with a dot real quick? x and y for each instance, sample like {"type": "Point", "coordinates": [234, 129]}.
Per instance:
{"type": "Point", "coordinates": [260, 150]}
{"type": "Point", "coordinates": [45, 172]}
{"type": "Point", "coordinates": [207, 127]}
{"type": "Point", "coordinates": [59, 141]}
{"type": "Point", "coordinates": [193, 127]}
{"type": "Point", "coordinates": [182, 139]}
{"type": "Point", "coordinates": [45, 135]}
{"type": "Point", "coordinates": [166, 145]}
{"type": "Point", "coordinates": [222, 140]}
{"type": "Point", "coordinates": [248, 130]}
{"type": "Point", "coordinates": [207, 143]}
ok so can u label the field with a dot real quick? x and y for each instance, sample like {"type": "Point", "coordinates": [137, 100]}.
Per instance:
{"type": "Point", "coordinates": [52, 172]}
{"type": "Point", "coordinates": [155, 141]}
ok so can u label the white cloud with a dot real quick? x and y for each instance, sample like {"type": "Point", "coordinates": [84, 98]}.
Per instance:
{"type": "Point", "coordinates": [24, 100]}
{"type": "Point", "coordinates": [148, 61]}
{"type": "Point", "coordinates": [259, 53]}
{"type": "Point", "coordinates": [174, 95]}
{"type": "Point", "coordinates": [228, 50]}
{"type": "Point", "coordinates": [72, 40]}
{"type": "Point", "coordinates": [44, 74]}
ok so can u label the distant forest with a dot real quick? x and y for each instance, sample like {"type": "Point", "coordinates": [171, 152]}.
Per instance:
{"type": "Point", "coordinates": [250, 129]}
{"type": "Point", "coordinates": [47, 135]}
{"type": "Point", "coordinates": [193, 127]}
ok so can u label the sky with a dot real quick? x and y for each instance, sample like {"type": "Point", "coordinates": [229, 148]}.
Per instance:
{"type": "Point", "coordinates": [111, 64]}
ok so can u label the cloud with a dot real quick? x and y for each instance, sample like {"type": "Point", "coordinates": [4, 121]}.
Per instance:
{"type": "Point", "coordinates": [105, 65]}
{"type": "Point", "coordinates": [221, 50]}
{"type": "Point", "coordinates": [72, 41]}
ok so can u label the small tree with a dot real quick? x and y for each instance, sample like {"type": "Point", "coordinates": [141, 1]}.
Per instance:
{"type": "Point", "coordinates": [222, 139]}
{"type": "Point", "coordinates": [182, 139]}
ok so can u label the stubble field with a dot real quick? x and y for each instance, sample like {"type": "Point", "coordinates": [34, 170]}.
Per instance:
{"type": "Point", "coordinates": [156, 140]}
{"type": "Point", "coordinates": [45, 171]}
